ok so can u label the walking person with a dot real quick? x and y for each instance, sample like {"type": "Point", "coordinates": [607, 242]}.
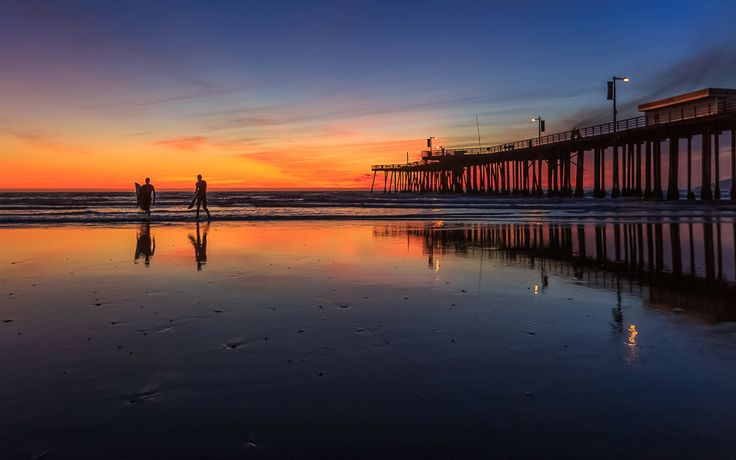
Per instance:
{"type": "Point", "coordinates": [200, 196]}
{"type": "Point", "coordinates": [147, 196]}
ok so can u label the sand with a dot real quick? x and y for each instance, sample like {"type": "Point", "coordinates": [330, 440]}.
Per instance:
{"type": "Point", "coordinates": [354, 339]}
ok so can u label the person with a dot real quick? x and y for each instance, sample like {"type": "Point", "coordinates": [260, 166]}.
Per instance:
{"type": "Point", "coordinates": [200, 196]}
{"type": "Point", "coordinates": [148, 196]}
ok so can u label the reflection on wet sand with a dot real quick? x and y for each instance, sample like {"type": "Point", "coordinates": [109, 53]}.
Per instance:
{"type": "Point", "coordinates": [145, 244]}
{"type": "Point", "coordinates": [200, 245]}
{"type": "Point", "coordinates": [515, 337]}
{"type": "Point", "coordinates": [645, 259]}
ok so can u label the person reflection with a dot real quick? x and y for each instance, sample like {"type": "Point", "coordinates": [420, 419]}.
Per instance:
{"type": "Point", "coordinates": [200, 246]}
{"type": "Point", "coordinates": [145, 245]}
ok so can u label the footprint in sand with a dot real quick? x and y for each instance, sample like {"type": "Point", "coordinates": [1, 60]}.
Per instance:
{"type": "Point", "coordinates": [232, 344]}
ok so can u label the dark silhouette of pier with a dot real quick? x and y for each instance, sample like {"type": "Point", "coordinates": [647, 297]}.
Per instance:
{"type": "Point", "coordinates": [639, 156]}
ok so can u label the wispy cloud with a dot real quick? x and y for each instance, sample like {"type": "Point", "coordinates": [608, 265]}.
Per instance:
{"type": "Point", "coordinates": [45, 141]}
{"type": "Point", "coordinates": [183, 143]}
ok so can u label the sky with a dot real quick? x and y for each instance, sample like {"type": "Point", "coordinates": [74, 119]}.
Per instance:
{"type": "Point", "coordinates": [309, 94]}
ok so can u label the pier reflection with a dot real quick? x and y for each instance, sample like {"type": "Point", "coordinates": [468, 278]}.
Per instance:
{"type": "Point", "coordinates": [683, 266]}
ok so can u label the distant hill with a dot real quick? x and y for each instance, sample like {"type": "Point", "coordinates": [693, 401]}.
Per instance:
{"type": "Point", "coordinates": [725, 186]}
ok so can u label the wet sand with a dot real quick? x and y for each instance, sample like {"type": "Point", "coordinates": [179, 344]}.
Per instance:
{"type": "Point", "coordinates": [361, 339]}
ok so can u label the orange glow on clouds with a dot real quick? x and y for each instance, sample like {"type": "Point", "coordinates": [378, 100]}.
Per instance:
{"type": "Point", "coordinates": [339, 161]}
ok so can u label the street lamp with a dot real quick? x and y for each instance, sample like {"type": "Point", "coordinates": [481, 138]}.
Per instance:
{"type": "Point", "coordinates": [540, 126]}
{"type": "Point", "coordinates": [612, 96]}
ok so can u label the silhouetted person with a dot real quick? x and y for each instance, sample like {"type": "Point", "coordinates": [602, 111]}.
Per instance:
{"type": "Point", "coordinates": [200, 247]}
{"type": "Point", "coordinates": [200, 196]}
{"type": "Point", "coordinates": [148, 196]}
{"type": "Point", "coordinates": [145, 246]}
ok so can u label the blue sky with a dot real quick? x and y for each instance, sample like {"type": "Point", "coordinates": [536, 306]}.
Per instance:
{"type": "Point", "coordinates": [259, 78]}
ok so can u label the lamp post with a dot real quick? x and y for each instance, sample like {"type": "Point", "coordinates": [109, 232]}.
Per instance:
{"type": "Point", "coordinates": [540, 126]}
{"type": "Point", "coordinates": [612, 96]}
{"type": "Point", "coordinates": [615, 191]}
{"type": "Point", "coordinates": [537, 176]}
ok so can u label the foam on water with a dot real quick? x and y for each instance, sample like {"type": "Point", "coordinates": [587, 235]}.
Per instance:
{"type": "Point", "coordinates": [119, 207]}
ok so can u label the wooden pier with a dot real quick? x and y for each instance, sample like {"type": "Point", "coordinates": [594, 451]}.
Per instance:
{"type": "Point", "coordinates": [640, 156]}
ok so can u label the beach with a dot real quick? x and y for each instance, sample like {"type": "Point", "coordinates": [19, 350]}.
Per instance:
{"type": "Point", "coordinates": [367, 339]}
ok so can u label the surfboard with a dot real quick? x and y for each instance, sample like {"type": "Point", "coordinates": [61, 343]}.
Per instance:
{"type": "Point", "coordinates": [137, 194]}
{"type": "Point", "coordinates": [191, 205]}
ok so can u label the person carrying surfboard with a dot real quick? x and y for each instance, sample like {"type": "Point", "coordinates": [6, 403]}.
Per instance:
{"type": "Point", "coordinates": [146, 196]}
{"type": "Point", "coordinates": [200, 197]}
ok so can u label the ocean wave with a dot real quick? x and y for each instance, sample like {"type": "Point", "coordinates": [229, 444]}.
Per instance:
{"type": "Point", "coordinates": [119, 207]}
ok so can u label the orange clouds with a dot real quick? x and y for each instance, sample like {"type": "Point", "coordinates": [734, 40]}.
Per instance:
{"type": "Point", "coordinates": [183, 143]}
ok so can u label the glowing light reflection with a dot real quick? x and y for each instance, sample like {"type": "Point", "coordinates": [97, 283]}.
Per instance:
{"type": "Point", "coordinates": [632, 335]}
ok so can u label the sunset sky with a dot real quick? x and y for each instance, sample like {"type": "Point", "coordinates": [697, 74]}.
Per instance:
{"type": "Point", "coordinates": [307, 94]}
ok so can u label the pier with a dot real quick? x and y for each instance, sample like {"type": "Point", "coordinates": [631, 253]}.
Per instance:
{"type": "Point", "coordinates": [646, 156]}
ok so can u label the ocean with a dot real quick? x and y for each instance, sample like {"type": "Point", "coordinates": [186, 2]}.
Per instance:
{"type": "Point", "coordinates": [120, 207]}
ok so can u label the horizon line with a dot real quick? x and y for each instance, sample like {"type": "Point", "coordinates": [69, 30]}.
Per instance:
{"type": "Point", "coordinates": [188, 189]}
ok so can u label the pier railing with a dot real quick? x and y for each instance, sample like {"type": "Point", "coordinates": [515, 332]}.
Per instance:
{"type": "Point", "coordinates": [604, 129]}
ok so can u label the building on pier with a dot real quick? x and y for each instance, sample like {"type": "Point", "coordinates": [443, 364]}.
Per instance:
{"type": "Point", "coordinates": [707, 101]}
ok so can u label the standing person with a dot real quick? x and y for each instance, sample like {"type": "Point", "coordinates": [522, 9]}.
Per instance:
{"type": "Point", "coordinates": [200, 196]}
{"type": "Point", "coordinates": [148, 196]}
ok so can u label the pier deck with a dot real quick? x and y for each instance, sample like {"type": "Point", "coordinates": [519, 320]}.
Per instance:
{"type": "Point", "coordinates": [631, 155]}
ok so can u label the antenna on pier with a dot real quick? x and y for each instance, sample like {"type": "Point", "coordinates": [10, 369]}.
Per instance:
{"type": "Point", "coordinates": [477, 126]}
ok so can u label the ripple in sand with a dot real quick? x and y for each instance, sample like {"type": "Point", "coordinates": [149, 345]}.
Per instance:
{"type": "Point", "coordinates": [232, 344]}
{"type": "Point", "coordinates": [143, 396]}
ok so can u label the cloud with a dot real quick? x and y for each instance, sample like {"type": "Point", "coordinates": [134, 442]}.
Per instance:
{"type": "Point", "coordinates": [43, 140]}
{"type": "Point", "coordinates": [329, 108]}
{"type": "Point", "coordinates": [712, 66]}
{"type": "Point", "coordinates": [183, 143]}
{"type": "Point", "coordinates": [192, 143]}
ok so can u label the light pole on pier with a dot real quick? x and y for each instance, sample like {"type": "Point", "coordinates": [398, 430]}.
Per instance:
{"type": "Point", "coordinates": [612, 97]}
{"type": "Point", "coordinates": [537, 175]}
{"type": "Point", "coordinates": [540, 126]}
